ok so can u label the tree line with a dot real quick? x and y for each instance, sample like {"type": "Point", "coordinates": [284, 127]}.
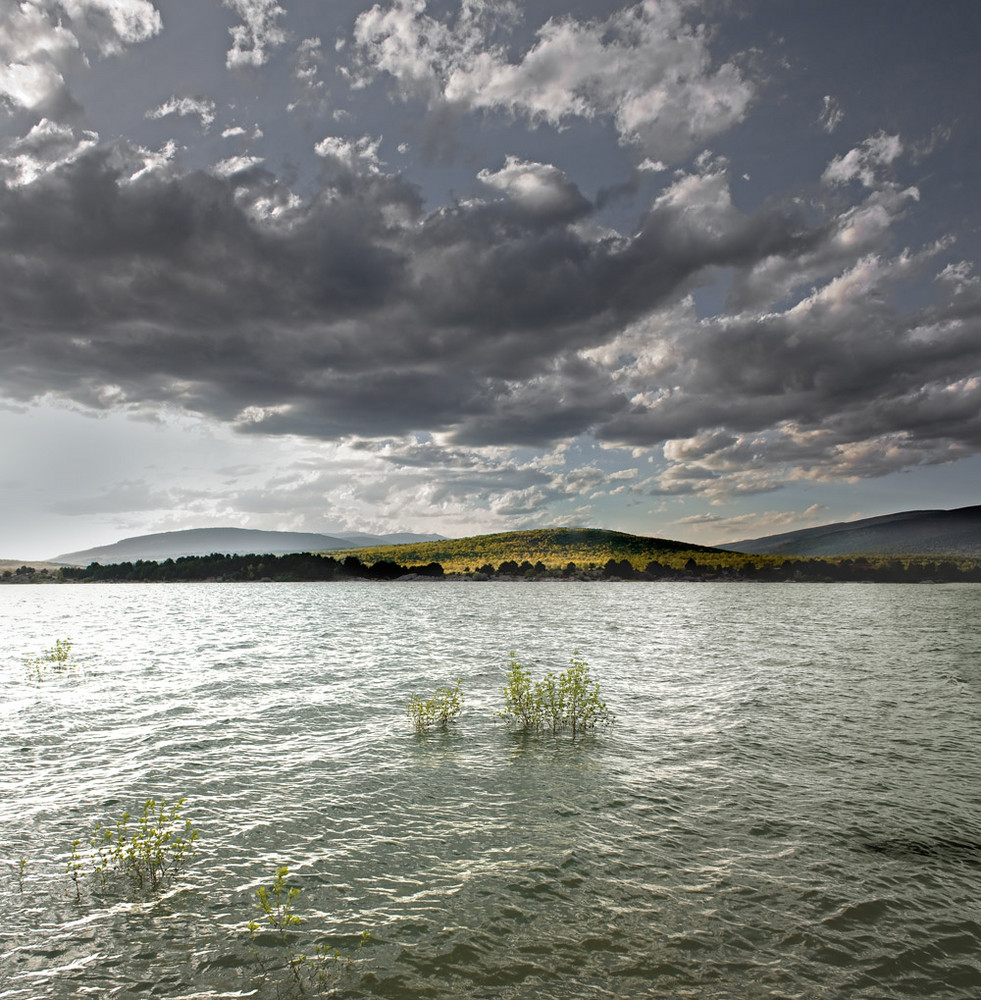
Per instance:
{"type": "Point", "coordinates": [843, 570]}
{"type": "Point", "coordinates": [314, 567]}
{"type": "Point", "coordinates": [230, 568]}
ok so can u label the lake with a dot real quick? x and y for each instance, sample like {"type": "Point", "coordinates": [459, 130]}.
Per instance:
{"type": "Point", "coordinates": [788, 805]}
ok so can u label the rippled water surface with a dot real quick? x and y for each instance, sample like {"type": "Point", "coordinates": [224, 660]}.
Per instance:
{"type": "Point", "coordinates": [788, 806]}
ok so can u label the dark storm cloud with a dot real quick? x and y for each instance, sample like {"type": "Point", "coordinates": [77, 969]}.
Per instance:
{"type": "Point", "coordinates": [845, 362]}
{"type": "Point", "coordinates": [511, 319]}
{"type": "Point", "coordinates": [351, 313]}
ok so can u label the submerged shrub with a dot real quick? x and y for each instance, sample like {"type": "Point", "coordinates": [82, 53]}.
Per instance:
{"type": "Point", "coordinates": [438, 710]}
{"type": "Point", "coordinates": [278, 918]}
{"type": "Point", "coordinates": [582, 707]}
{"type": "Point", "coordinates": [150, 851]}
{"type": "Point", "coordinates": [569, 700]}
{"type": "Point", "coordinates": [58, 658]}
{"type": "Point", "coordinates": [522, 707]}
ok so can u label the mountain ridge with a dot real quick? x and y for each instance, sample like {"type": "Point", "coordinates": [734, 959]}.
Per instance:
{"type": "Point", "coordinates": [228, 541]}
{"type": "Point", "coordinates": [931, 532]}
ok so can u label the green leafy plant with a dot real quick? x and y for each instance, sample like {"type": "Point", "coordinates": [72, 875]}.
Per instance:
{"type": "Point", "coordinates": [522, 708]}
{"type": "Point", "coordinates": [58, 658]}
{"type": "Point", "coordinates": [150, 851]}
{"type": "Point", "coordinates": [438, 710]}
{"type": "Point", "coordinates": [278, 917]}
{"type": "Point", "coordinates": [569, 700]}
{"type": "Point", "coordinates": [275, 905]}
{"type": "Point", "coordinates": [582, 707]}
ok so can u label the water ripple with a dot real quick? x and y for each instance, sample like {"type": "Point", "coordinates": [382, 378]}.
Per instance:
{"type": "Point", "coordinates": [787, 807]}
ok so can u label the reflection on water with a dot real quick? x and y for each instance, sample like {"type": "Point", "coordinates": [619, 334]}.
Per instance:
{"type": "Point", "coordinates": [787, 806]}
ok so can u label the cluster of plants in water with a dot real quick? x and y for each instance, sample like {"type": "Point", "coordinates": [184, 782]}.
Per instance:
{"type": "Point", "coordinates": [150, 851]}
{"type": "Point", "coordinates": [569, 700]}
{"type": "Point", "coordinates": [58, 659]}
{"type": "Point", "coordinates": [438, 710]}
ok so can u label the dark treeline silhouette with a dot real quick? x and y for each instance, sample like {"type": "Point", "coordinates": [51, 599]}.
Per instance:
{"type": "Point", "coordinates": [299, 566]}
{"type": "Point", "coordinates": [309, 566]}
{"type": "Point", "coordinates": [805, 570]}
{"type": "Point", "coordinates": [798, 570]}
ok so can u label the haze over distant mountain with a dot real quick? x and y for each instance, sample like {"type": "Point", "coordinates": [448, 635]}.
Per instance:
{"type": "Point", "coordinates": [228, 541]}
{"type": "Point", "coordinates": [954, 532]}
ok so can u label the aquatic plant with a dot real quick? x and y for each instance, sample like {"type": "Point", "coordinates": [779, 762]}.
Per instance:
{"type": "Point", "coordinates": [151, 851]}
{"type": "Point", "coordinates": [58, 658]}
{"type": "Point", "coordinates": [277, 911]}
{"type": "Point", "coordinates": [582, 707]}
{"type": "Point", "coordinates": [276, 906]}
{"type": "Point", "coordinates": [75, 868]}
{"type": "Point", "coordinates": [522, 707]}
{"type": "Point", "coordinates": [444, 705]}
{"type": "Point", "coordinates": [569, 700]}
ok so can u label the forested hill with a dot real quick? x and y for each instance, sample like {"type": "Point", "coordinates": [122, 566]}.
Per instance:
{"type": "Point", "coordinates": [555, 548]}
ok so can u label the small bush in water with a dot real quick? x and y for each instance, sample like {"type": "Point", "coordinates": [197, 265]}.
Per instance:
{"type": "Point", "coordinates": [150, 851]}
{"type": "Point", "coordinates": [278, 918]}
{"type": "Point", "coordinates": [444, 705]}
{"type": "Point", "coordinates": [569, 700]}
{"type": "Point", "coordinates": [58, 658]}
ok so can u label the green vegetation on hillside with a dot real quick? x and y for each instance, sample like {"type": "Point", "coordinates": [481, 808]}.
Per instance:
{"type": "Point", "coordinates": [554, 548]}
{"type": "Point", "coordinates": [594, 553]}
{"type": "Point", "coordinates": [544, 553]}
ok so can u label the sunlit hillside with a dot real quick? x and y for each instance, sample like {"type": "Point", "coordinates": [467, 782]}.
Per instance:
{"type": "Point", "coordinates": [554, 547]}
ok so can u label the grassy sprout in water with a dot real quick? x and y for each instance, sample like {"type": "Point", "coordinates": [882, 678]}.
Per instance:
{"type": "Point", "coordinates": [58, 658]}
{"type": "Point", "coordinates": [569, 700]}
{"type": "Point", "coordinates": [438, 710]}
{"type": "Point", "coordinates": [150, 850]}
{"type": "Point", "coordinates": [278, 918]}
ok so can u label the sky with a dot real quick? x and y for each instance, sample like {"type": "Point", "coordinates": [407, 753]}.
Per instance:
{"type": "Point", "coordinates": [703, 270]}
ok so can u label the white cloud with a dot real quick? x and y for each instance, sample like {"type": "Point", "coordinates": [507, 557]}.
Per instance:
{"type": "Point", "coordinates": [831, 115]}
{"type": "Point", "coordinates": [114, 23]}
{"type": "Point", "coordinates": [959, 277]}
{"type": "Point", "coordinates": [39, 38]}
{"type": "Point", "coordinates": [645, 68]}
{"type": "Point", "coordinates": [33, 47]}
{"type": "Point", "coordinates": [539, 188]}
{"type": "Point", "coordinates": [257, 35]}
{"type": "Point", "coordinates": [235, 165]}
{"type": "Point", "coordinates": [46, 147]}
{"type": "Point", "coordinates": [183, 106]}
{"type": "Point", "coordinates": [142, 162]}
{"type": "Point", "coordinates": [862, 162]}
{"type": "Point", "coordinates": [356, 155]}
{"type": "Point", "coordinates": [650, 166]}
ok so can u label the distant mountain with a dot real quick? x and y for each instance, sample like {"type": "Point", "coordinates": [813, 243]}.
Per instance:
{"type": "Point", "coordinates": [949, 533]}
{"type": "Point", "coordinates": [228, 541]}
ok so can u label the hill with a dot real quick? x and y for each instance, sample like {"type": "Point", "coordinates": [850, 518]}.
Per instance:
{"type": "Point", "coordinates": [228, 541]}
{"type": "Point", "coordinates": [554, 547]}
{"type": "Point", "coordinates": [950, 533]}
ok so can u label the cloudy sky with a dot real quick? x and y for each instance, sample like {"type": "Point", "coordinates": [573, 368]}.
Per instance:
{"type": "Point", "coordinates": [705, 270]}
